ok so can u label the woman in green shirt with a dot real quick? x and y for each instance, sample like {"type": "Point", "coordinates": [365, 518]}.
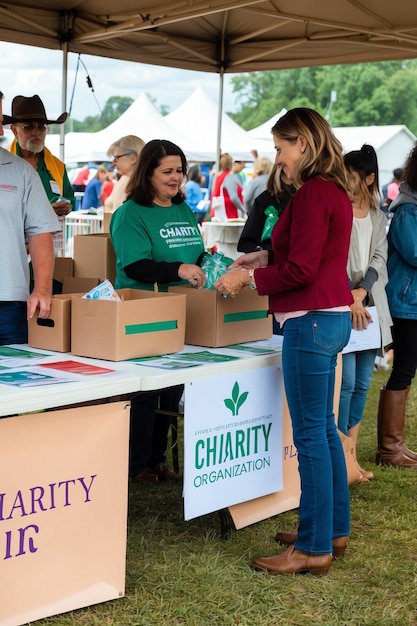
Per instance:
{"type": "Point", "coordinates": [157, 241]}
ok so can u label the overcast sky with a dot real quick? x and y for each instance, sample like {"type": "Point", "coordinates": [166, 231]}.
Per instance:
{"type": "Point", "coordinates": [25, 70]}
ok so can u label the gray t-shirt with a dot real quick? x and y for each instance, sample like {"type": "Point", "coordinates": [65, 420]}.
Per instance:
{"type": "Point", "coordinates": [24, 211]}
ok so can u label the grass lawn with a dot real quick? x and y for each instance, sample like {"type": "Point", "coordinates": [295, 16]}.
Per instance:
{"type": "Point", "coordinates": [181, 573]}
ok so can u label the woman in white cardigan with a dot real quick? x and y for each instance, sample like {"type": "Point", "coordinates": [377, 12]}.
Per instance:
{"type": "Point", "coordinates": [367, 273]}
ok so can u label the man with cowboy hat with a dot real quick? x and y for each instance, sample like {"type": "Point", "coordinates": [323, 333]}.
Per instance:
{"type": "Point", "coordinates": [26, 214]}
{"type": "Point", "coordinates": [29, 124]}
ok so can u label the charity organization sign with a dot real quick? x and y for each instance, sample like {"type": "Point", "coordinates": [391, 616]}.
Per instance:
{"type": "Point", "coordinates": [232, 439]}
{"type": "Point", "coordinates": [63, 510]}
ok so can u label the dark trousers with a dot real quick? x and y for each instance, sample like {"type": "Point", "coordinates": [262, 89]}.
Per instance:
{"type": "Point", "coordinates": [13, 322]}
{"type": "Point", "coordinates": [404, 365]}
{"type": "Point", "coordinates": [148, 431]}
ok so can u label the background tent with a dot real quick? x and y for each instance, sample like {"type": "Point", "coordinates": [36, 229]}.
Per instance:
{"type": "Point", "coordinates": [263, 132]}
{"type": "Point", "coordinates": [392, 145]}
{"type": "Point", "coordinates": [197, 118]}
{"type": "Point", "coordinates": [191, 126]}
{"type": "Point", "coordinates": [144, 120]}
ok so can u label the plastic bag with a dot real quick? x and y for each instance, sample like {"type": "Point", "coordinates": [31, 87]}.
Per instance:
{"type": "Point", "coordinates": [271, 219]}
{"type": "Point", "coordinates": [214, 266]}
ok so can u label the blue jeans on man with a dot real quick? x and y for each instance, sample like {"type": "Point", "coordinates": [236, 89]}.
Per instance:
{"type": "Point", "coordinates": [13, 322]}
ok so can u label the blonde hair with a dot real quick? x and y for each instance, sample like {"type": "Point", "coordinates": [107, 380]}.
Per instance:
{"type": "Point", "coordinates": [323, 154]}
{"type": "Point", "coordinates": [262, 165]}
{"type": "Point", "coordinates": [129, 144]}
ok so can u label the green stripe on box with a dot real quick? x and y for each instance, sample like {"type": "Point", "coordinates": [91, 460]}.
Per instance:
{"type": "Point", "coordinates": [244, 316]}
{"type": "Point", "coordinates": [151, 327]}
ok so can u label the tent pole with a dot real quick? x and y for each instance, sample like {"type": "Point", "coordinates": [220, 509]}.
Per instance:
{"type": "Point", "coordinates": [219, 121]}
{"type": "Point", "coordinates": [63, 98]}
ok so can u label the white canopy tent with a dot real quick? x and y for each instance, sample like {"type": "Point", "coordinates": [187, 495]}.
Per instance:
{"type": "Point", "coordinates": [191, 126]}
{"type": "Point", "coordinates": [263, 132]}
{"type": "Point", "coordinates": [197, 118]}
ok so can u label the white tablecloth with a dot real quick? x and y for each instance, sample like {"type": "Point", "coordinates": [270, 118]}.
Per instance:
{"type": "Point", "coordinates": [224, 236]}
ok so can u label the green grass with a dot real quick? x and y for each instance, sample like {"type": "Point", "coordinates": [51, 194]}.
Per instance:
{"type": "Point", "coordinates": [181, 573]}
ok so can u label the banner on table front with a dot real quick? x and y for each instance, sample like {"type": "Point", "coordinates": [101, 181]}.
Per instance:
{"type": "Point", "coordinates": [63, 510]}
{"type": "Point", "coordinates": [232, 439]}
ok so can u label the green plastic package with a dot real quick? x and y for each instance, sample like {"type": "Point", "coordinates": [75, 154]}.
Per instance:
{"type": "Point", "coordinates": [271, 219]}
{"type": "Point", "coordinates": [214, 266]}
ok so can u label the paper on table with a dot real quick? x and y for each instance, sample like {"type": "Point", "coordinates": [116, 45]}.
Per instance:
{"type": "Point", "coordinates": [365, 339]}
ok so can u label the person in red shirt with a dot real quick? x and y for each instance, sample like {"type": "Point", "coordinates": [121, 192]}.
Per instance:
{"type": "Point", "coordinates": [306, 279]}
{"type": "Point", "coordinates": [108, 184]}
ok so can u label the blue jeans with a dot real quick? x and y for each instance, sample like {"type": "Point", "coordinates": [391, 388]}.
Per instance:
{"type": "Point", "coordinates": [13, 322]}
{"type": "Point", "coordinates": [310, 347]}
{"type": "Point", "coordinates": [356, 379]}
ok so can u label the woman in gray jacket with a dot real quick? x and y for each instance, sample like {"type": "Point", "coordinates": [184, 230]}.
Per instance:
{"type": "Point", "coordinates": [367, 273]}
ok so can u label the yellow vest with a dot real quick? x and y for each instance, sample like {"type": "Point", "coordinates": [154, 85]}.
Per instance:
{"type": "Point", "coordinates": [54, 165]}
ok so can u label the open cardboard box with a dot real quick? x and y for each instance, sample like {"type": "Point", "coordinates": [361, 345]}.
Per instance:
{"type": "Point", "coordinates": [213, 321]}
{"type": "Point", "coordinates": [53, 333]}
{"type": "Point", "coordinates": [144, 323]}
{"type": "Point", "coordinates": [94, 256]}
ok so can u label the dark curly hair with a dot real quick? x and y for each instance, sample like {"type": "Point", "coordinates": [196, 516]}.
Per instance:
{"type": "Point", "coordinates": [410, 169]}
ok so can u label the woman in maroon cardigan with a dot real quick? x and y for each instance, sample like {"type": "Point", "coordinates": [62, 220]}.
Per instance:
{"type": "Point", "coordinates": [306, 280]}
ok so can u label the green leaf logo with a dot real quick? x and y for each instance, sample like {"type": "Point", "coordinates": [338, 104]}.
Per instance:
{"type": "Point", "coordinates": [236, 401]}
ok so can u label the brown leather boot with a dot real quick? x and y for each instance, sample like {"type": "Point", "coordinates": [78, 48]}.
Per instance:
{"type": "Point", "coordinates": [391, 417]}
{"type": "Point", "coordinates": [288, 538]}
{"type": "Point", "coordinates": [293, 561]}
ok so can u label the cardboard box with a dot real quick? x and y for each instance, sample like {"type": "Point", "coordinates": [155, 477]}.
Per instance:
{"type": "Point", "coordinates": [73, 284]}
{"type": "Point", "coordinates": [53, 333]}
{"type": "Point", "coordinates": [213, 321]}
{"type": "Point", "coordinates": [94, 256]}
{"type": "Point", "coordinates": [144, 323]}
{"type": "Point", "coordinates": [64, 266]}
{"type": "Point", "coordinates": [106, 221]}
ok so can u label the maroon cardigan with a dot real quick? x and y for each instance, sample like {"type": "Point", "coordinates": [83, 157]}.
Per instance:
{"type": "Point", "coordinates": [310, 244]}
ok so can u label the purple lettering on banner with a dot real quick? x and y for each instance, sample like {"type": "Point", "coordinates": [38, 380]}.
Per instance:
{"type": "Point", "coordinates": [22, 541]}
{"type": "Point", "coordinates": [66, 483]}
{"type": "Point", "coordinates": [38, 499]}
{"type": "Point", "coordinates": [18, 504]}
{"type": "Point", "coordinates": [87, 489]}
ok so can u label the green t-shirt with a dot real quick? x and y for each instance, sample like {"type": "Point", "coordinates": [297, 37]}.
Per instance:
{"type": "Point", "coordinates": [157, 233]}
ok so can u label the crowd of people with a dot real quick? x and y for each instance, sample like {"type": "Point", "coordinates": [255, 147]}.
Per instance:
{"type": "Point", "coordinates": [315, 241]}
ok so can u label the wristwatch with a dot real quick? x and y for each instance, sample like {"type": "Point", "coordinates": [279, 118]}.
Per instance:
{"type": "Point", "coordinates": [251, 284]}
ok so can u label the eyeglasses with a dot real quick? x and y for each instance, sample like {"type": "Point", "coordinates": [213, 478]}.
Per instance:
{"type": "Point", "coordinates": [29, 128]}
{"type": "Point", "coordinates": [118, 156]}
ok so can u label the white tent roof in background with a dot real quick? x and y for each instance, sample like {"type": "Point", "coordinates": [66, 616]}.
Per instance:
{"type": "Point", "coordinates": [392, 145]}
{"type": "Point", "coordinates": [197, 117]}
{"type": "Point", "coordinates": [143, 119]}
{"type": "Point", "coordinates": [264, 130]}
{"type": "Point", "coordinates": [353, 137]}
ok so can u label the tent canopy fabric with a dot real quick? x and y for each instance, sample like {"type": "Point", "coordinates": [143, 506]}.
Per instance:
{"type": "Point", "coordinates": [220, 35]}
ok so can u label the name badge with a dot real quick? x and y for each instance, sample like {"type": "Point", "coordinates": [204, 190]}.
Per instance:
{"type": "Point", "coordinates": [55, 187]}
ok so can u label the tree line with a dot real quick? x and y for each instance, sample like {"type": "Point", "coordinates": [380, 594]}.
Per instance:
{"type": "Point", "coordinates": [364, 94]}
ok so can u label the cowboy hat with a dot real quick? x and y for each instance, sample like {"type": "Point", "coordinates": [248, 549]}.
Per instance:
{"type": "Point", "coordinates": [30, 110]}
